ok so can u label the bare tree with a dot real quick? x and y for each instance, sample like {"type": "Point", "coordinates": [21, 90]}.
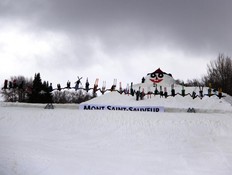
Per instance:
{"type": "Point", "coordinates": [16, 89]}
{"type": "Point", "coordinates": [67, 96]}
{"type": "Point", "coordinates": [219, 74]}
{"type": "Point", "coordinates": [193, 82]}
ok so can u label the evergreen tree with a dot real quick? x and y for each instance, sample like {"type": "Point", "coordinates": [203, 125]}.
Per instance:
{"type": "Point", "coordinates": [36, 93]}
{"type": "Point", "coordinates": [46, 96]}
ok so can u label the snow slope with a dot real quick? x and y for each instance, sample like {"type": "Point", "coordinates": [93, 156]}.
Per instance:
{"type": "Point", "coordinates": [174, 104]}
{"type": "Point", "coordinates": [76, 142]}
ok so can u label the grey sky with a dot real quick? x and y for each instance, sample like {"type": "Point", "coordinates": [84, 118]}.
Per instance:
{"type": "Point", "coordinates": [123, 39]}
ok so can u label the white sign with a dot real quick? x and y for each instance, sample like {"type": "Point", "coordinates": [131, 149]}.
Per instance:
{"type": "Point", "coordinates": [121, 108]}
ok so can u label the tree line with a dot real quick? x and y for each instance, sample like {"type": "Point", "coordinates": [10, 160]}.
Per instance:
{"type": "Point", "coordinates": [21, 89]}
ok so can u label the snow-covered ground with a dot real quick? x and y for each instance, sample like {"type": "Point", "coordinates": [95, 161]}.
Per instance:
{"type": "Point", "coordinates": [68, 141]}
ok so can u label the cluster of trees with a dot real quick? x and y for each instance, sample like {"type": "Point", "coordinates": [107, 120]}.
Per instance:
{"type": "Point", "coordinates": [17, 89]}
{"type": "Point", "coordinates": [22, 89]}
{"type": "Point", "coordinates": [219, 75]}
{"type": "Point", "coordinates": [68, 96]}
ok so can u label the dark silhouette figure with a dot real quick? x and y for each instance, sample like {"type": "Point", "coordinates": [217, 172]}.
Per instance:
{"type": "Point", "coordinates": [5, 84]}
{"type": "Point", "coordinates": [10, 84]}
{"type": "Point", "coordinates": [87, 85]}
{"type": "Point", "coordinates": [143, 80]}
{"type": "Point", "coordinates": [201, 91]}
{"type": "Point", "coordinates": [59, 87]}
{"type": "Point", "coordinates": [137, 95]}
{"type": "Point", "coordinates": [173, 92]}
{"type": "Point", "coordinates": [220, 93]}
{"type": "Point", "coordinates": [77, 83]}
{"type": "Point", "coordinates": [193, 94]}
{"type": "Point", "coordinates": [68, 84]}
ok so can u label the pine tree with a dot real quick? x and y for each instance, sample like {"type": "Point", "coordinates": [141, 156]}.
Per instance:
{"type": "Point", "coordinates": [46, 96]}
{"type": "Point", "coordinates": [36, 94]}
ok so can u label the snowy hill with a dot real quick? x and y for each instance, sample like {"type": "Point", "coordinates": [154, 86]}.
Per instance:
{"type": "Point", "coordinates": [95, 142]}
{"type": "Point", "coordinates": [175, 104]}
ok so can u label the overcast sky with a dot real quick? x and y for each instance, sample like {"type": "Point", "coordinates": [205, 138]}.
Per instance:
{"type": "Point", "coordinates": [107, 39]}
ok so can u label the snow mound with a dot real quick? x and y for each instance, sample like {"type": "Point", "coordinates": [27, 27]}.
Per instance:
{"type": "Point", "coordinates": [206, 104]}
